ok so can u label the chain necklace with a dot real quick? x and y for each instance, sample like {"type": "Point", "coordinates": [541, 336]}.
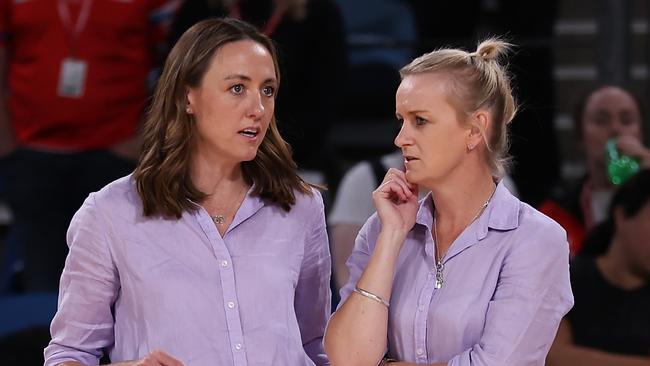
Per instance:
{"type": "Point", "coordinates": [439, 265]}
{"type": "Point", "coordinates": [220, 219]}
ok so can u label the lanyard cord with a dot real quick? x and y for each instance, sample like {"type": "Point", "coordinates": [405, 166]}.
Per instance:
{"type": "Point", "coordinates": [73, 31]}
{"type": "Point", "coordinates": [271, 24]}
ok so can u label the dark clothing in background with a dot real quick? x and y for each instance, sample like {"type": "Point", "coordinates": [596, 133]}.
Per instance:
{"type": "Point", "coordinates": [45, 187]}
{"type": "Point", "coordinates": [606, 317]}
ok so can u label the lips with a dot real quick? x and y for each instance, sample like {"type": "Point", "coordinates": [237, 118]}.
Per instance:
{"type": "Point", "coordinates": [250, 132]}
{"type": "Point", "coordinates": [408, 158]}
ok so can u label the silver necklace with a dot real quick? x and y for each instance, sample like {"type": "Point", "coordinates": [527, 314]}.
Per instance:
{"type": "Point", "coordinates": [440, 279]}
{"type": "Point", "coordinates": [220, 219]}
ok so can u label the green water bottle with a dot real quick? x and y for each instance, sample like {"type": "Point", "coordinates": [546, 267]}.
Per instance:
{"type": "Point", "coordinates": [619, 167]}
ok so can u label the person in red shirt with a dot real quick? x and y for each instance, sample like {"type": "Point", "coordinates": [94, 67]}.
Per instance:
{"type": "Point", "coordinates": [605, 112]}
{"type": "Point", "coordinates": [74, 79]}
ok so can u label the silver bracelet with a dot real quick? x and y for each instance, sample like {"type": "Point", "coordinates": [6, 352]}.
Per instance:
{"type": "Point", "coordinates": [371, 296]}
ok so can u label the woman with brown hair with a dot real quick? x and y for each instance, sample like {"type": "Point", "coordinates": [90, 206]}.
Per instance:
{"type": "Point", "coordinates": [213, 252]}
{"type": "Point", "coordinates": [310, 37]}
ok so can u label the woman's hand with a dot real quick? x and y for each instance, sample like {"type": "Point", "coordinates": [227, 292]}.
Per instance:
{"type": "Point", "coordinates": [155, 358]}
{"type": "Point", "coordinates": [396, 201]}
{"type": "Point", "coordinates": [632, 146]}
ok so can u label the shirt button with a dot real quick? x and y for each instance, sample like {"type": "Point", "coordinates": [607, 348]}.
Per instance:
{"type": "Point", "coordinates": [421, 308]}
{"type": "Point", "coordinates": [238, 346]}
{"type": "Point", "coordinates": [420, 351]}
{"type": "Point", "coordinates": [231, 305]}
{"type": "Point", "coordinates": [224, 263]}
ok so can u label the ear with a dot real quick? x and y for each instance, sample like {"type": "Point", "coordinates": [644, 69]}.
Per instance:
{"type": "Point", "coordinates": [478, 120]}
{"type": "Point", "coordinates": [190, 100]}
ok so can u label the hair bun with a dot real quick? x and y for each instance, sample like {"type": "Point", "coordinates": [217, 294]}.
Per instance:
{"type": "Point", "coordinates": [491, 49]}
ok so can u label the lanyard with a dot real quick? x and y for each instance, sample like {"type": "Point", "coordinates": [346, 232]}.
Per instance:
{"type": "Point", "coordinates": [271, 25]}
{"type": "Point", "coordinates": [73, 31]}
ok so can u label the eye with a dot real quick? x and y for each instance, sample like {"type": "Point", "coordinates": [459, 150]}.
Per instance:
{"type": "Point", "coordinates": [268, 91]}
{"type": "Point", "coordinates": [601, 121]}
{"type": "Point", "coordinates": [627, 121]}
{"type": "Point", "coordinates": [419, 121]}
{"type": "Point", "coordinates": [237, 89]}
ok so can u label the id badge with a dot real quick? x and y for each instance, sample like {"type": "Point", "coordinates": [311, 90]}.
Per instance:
{"type": "Point", "coordinates": [72, 78]}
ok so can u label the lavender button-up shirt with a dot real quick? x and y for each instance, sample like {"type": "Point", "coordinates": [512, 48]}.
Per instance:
{"type": "Point", "coordinates": [506, 287]}
{"type": "Point", "coordinates": [258, 296]}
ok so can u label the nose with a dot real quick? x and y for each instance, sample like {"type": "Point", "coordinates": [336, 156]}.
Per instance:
{"type": "Point", "coordinates": [619, 127]}
{"type": "Point", "coordinates": [402, 139]}
{"type": "Point", "coordinates": [256, 108]}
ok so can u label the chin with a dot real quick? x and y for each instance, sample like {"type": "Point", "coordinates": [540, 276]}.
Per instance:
{"type": "Point", "coordinates": [249, 156]}
{"type": "Point", "coordinates": [413, 177]}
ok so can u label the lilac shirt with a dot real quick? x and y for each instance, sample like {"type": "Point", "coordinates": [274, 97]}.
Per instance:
{"type": "Point", "coordinates": [259, 296]}
{"type": "Point", "coordinates": [506, 287]}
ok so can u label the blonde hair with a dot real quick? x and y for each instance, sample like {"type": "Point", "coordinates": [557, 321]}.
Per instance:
{"type": "Point", "coordinates": [477, 80]}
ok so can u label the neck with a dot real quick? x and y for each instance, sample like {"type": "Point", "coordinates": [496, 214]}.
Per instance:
{"type": "Point", "coordinates": [213, 177]}
{"type": "Point", "coordinates": [616, 270]}
{"type": "Point", "coordinates": [458, 201]}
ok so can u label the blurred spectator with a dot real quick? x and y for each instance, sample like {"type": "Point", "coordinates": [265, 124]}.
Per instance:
{"type": "Point", "coordinates": [74, 83]}
{"type": "Point", "coordinates": [309, 35]}
{"type": "Point", "coordinates": [353, 206]}
{"type": "Point", "coordinates": [610, 322]}
{"type": "Point", "coordinates": [603, 113]}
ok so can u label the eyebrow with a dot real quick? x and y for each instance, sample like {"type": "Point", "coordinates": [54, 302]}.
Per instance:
{"type": "Point", "coordinates": [417, 111]}
{"type": "Point", "coordinates": [411, 112]}
{"type": "Point", "coordinates": [247, 78]}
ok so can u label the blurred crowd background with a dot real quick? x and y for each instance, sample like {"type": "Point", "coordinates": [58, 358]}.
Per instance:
{"type": "Point", "coordinates": [340, 62]}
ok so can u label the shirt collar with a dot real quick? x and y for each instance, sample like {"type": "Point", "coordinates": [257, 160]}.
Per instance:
{"type": "Point", "coordinates": [249, 206]}
{"type": "Point", "coordinates": [502, 213]}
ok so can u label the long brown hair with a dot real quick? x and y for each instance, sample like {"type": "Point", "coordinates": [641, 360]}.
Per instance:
{"type": "Point", "coordinates": [163, 172]}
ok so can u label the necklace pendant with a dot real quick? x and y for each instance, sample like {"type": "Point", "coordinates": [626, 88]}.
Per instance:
{"type": "Point", "coordinates": [439, 277]}
{"type": "Point", "coordinates": [218, 219]}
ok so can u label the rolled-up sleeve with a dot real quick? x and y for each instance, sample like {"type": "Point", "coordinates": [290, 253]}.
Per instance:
{"type": "Point", "coordinates": [313, 294]}
{"type": "Point", "coordinates": [532, 295]}
{"type": "Point", "coordinates": [83, 325]}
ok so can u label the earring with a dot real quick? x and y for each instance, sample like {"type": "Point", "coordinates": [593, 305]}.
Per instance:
{"type": "Point", "coordinates": [188, 110]}
{"type": "Point", "coordinates": [470, 147]}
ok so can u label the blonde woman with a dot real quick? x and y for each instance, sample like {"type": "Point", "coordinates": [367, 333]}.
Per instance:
{"type": "Point", "coordinates": [469, 275]}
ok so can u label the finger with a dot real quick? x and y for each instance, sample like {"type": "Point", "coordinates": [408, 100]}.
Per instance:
{"type": "Point", "coordinates": [148, 361]}
{"type": "Point", "coordinates": [632, 148]}
{"type": "Point", "coordinates": [402, 175]}
{"type": "Point", "coordinates": [398, 177]}
{"type": "Point", "coordinates": [395, 173]}
{"type": "Point", "coordinates": [164, 359]}
{"type": "Point", "coordinates": [391, 189]}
